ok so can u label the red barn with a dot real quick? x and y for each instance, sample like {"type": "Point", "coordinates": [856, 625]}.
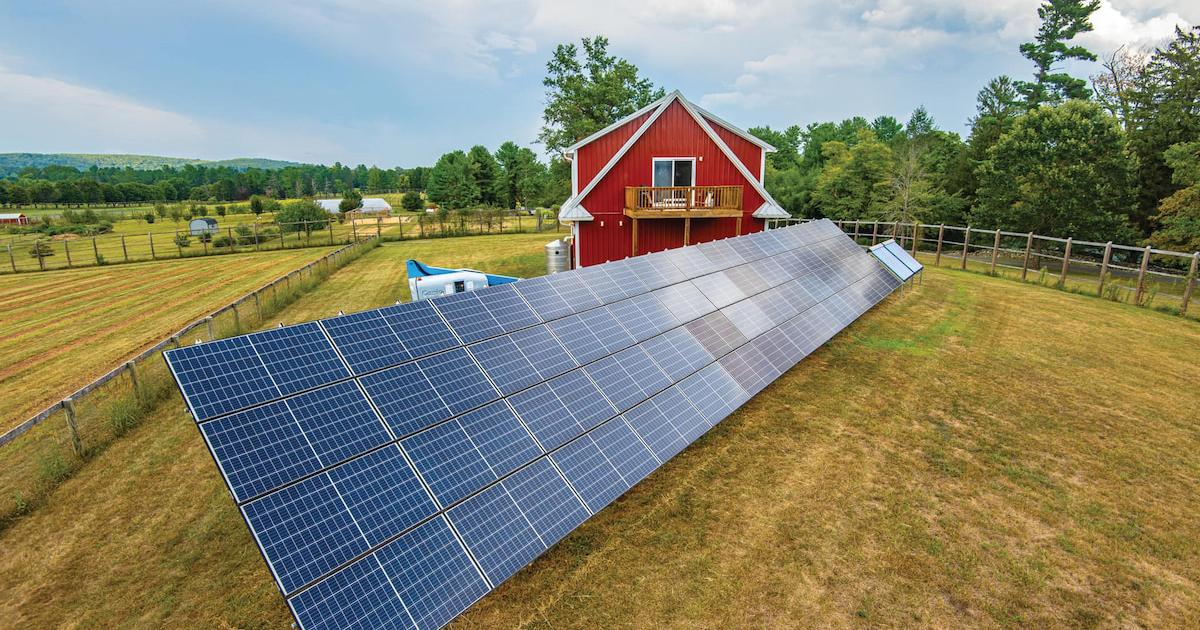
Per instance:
{"type": "Point", "coordinates": [668, 175]}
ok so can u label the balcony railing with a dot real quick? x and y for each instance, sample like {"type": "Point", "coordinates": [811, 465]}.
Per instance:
{"type": "Point", "coordinates": [681, 200]}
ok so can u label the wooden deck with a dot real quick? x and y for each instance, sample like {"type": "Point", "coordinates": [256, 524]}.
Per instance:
{"type": "Point", "coordinates": [682, 202]}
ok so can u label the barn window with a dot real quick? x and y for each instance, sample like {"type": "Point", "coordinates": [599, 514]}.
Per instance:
{"type": "Point", "coordinates": [674, 171]}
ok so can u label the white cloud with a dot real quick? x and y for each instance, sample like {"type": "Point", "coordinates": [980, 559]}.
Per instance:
{"type": "Point", "coordinates": [43, 106]}
{"type": "Point", "coordinates": [57, 115]}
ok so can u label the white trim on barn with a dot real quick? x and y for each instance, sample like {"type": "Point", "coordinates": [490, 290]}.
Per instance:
{"type": "Point", "coordinates": [572, 210]}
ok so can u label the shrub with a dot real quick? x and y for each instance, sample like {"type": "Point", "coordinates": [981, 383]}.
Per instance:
{"type": "Point", "coordinates": [412, 201]}
{"type": "Point", "coordinates": [220, 210]}
{"type": "Point", "coordinates": [222, 241]}
{"type": "Point", "coordinates": [182, 240]}
{"type": "Point", "coordinates": [149, 217]}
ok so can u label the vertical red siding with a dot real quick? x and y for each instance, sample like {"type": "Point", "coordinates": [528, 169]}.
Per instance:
{"type": "Point", "coordinates": [594, 155]}
{"type": "Point", "coordinates": [749, 153]}
{"type": "Point", "coordinates": [674, 134]}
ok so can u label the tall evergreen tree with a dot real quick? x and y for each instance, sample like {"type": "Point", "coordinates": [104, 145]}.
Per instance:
{"type": "Point", "coordinates": [1062, 20]}
{"type": "Point", "coordinates": [486, 173]}
{"type": "Point", "coordinates": [1165, 111]}
{"type": "Point", "coordinates": [451, 182]}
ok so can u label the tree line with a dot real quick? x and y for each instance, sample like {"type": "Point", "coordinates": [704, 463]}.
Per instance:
{"type": "Point", "coordinates": [64, 185]}
{"type": "Point", "coordinates": [1113, 157]}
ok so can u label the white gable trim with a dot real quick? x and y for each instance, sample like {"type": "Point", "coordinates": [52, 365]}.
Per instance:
{"type": "Point", "coordinates": [572, 210]}
{"type": "Point", "coordinates": [568, 209]}
{"type": "Point", "coordinates": [574, 213]}
{"type": "Point", "coordinates": [613, 127]}
{"type": "Point", "coordinates": [768, 211]}
{"type": "Point", "coordinates": [754, 183]}
{"type": "Point", "coordinates": [744, 134]}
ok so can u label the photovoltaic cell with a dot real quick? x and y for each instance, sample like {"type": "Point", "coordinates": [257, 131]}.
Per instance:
{"type": "Point", "coordinates": [420, 327]}
{"type": "Point", "coordinates": [366, 341]}
{"type": "Point", "coordinates": [546, 501]}
{"type": "Point", "coordinates": [684, 301]}
{"type": "Point", "coordinates": [590, 472]}
{"type": "Point", "coordinates": [298, 357]}
{"type": "Point", "coordinates": [432, 574]}
{"type": "Point", "coordinates": [406, 398]}
{"type": "Point", "coordinates": [221, 376]}
{"type": "Point", "coordinates": [497, 532]}
{"type": "Point", "coordinates": [548, 357]}
{"type": "Point", "coordinates": [383, 475]}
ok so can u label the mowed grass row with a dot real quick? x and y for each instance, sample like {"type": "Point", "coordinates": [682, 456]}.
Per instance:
{"type": "Point", "coordinates": [968, 453]}
{"type": "Point", "coordinates": [62, 329]}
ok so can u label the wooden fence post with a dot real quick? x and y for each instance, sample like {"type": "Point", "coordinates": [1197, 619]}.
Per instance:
{"type": "Point", "coordinates": [1066, 266]}
{"type": "Point", "coordinates": [1104, 267]}
{"type": "Point", "coordinates": [1141, 281]}
{"type": "Point", "coordinates": [96, 250]}
{"type": "Point", "coordinates": [134, 381]}
{"type": "Point", "coordinates": [1028, 250]}
{"type": "Point", "coordinates": [330, 224]}
{"type": "Point", "coordinates": [150, 236]}
{"type": "Point", "coordinates": [937, 259]}
{"type": "Point", "coordinates": [856, 230]}
{"type": "Point", "coordinates": [258, 307]}
{"type": "Point", "coordinates": [72, 426]}
{"type": "Point", "coordinates": [124, 249]}
{"type": "Point", "coordinates": [379, 228]}
{"type": "Point", "coordinates": [237, 318]}
{"type": "Point", "coordinates": [177, 245]}
{"type": "Point", "coordinates": [229, 235]}
{"type": "Point", "coordinates": [915, 237]}
{"type": "Point", "coordinates": [212, 333]}
{"type": "Point", "coordinates": [1191, 284]}
{"type": "Point", "coordinates": [874, 232]}
{"type": "Point", "coordinates": [67, 249]}
{"type": "Point", "coordinates": [400, 224]}
{"type": "Point", "coordinates": [12, 260]}
{"type": "Point", "coordinates": [995, 252]}
{"type": "Point", "coordinates": [966, 244]}
{"type": "Point", "coordinates": [353, 229]}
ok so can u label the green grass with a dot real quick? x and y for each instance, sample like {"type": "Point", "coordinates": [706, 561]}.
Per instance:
{"type": "Point", "coordinates": [973, 452]}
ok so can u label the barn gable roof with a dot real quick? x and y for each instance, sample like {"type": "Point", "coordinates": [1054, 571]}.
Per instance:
{"type": "Point", "coordinates": [573, 209]}
{"type": "Point", "coordinates": [652, 106]}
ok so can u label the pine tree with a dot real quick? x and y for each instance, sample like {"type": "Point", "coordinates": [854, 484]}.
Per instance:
{"type": "Point", "coordinates": [1062, 20]}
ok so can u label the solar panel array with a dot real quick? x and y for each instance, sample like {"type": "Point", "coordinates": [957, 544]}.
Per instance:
{"type": "Point", "coordinates": [896, 259]}
{"type": "Point", "coordinates": [395, 465]}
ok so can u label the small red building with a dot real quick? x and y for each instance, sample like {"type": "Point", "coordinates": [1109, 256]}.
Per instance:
{"type": "Point", "coordinates": [14, 218]}
{"type": "Point", "coordinates": [668, 175]}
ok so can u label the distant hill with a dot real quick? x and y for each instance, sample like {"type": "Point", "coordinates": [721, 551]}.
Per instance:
{"type": "Point", "coordinates": [14, 162]}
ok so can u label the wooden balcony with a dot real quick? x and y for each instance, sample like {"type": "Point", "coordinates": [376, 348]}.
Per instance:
{"type": "Point", "coordinates": [683, 202]}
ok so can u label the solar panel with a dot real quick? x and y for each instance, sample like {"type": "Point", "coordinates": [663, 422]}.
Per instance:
{"type": "Point", "coordinates": [397, 464]}
{"type": "Point", "coordinates": [896, 259]}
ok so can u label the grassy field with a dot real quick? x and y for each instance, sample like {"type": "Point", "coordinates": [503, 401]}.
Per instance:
{"type": "Point", "coordinates": [62, 329]}
{"type": "Point", "coordinates": [972, 452]}
{"type": "Point", "coordinates": [136, 240]}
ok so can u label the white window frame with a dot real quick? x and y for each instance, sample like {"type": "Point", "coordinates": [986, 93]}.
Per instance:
{"type": "Point", "coordinates": [654, 161]}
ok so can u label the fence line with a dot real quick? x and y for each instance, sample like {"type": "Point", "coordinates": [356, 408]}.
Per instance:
{"type": "Point", "coordinates": [1125, 273]}
{"type": "Point", "coordinates": [332, 260]}
{"type": "Point", "coordinates": [37, 252]}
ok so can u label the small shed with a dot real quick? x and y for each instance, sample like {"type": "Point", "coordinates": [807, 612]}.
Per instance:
{"type": "Point", "coordinates": [330, 205]}
{"type": "Point", "coordinates": [202, 225]}
{"type": "Point", "coordinates": [14, 219]}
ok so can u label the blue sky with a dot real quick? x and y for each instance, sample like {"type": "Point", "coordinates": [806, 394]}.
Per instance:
{"type": "Point", "coordinates": [399, 83]}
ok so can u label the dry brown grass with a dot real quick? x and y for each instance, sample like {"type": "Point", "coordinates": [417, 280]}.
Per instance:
{"type": "Point", "coordinates": [976, 452]}
{"type": "Point", "coordinates": [62, 329]}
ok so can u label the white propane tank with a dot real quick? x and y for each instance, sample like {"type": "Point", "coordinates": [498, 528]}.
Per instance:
{"type": "Point", "coordinates": [558, 256]}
